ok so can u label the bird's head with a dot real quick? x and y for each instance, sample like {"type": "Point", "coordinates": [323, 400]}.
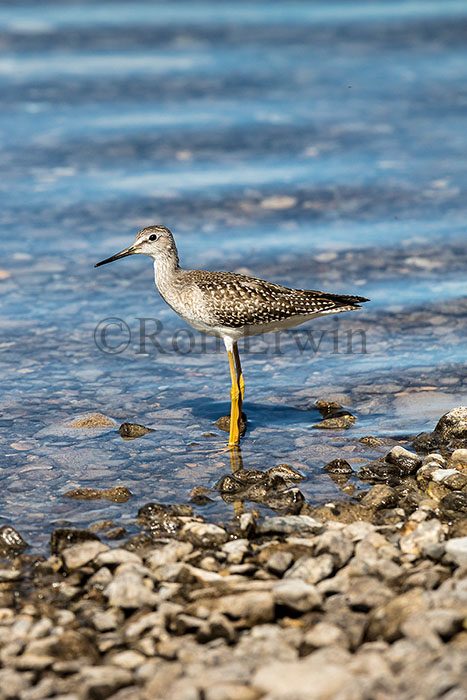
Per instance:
{"type": "Point", "coordinates": [155, 241]}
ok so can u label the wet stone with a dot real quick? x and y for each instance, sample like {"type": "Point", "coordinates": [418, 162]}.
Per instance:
{"type": "Point", "coordinates": [118, 494]}
{"type": "Point", "coordinates": [452, 427]}
{"type": "Point", "coordinates": [371, 441]}
{"type": "Point", "coordinates": [162, 519]}
{"type": "Point", "coordinates": [454, 504]}
{"type": "Point", "coordinates": [380, 496]}
{"type": "Point", "coordinates": [271, 488]}
{"type": "Point", "coordinates": [408, 462]}
{"type": "Point", "coordinates": [11, 542]}
{"type": "Point", "coordinates": [426, 442]}
{"type": "Point", "coordinates": [380, 470]}
{"type": "Point", "coordinates": [108, 529]}
{"type": "Point", "coordinates": [199, 496]}
{"type": "Point", "coordinates": [62, 538]}
{"type": "Point", "coordinates": [341, 421]}
{"type": "Point", "coordinates": [130, 431]}
{"type": "Point", "coordinates": [456, 482]}
{"type": "Point", "coordinates": [223, 423]}
{"type": "Point", "coordinates": [285, 472]}
{"type": "Point", "coordinates": [338, 466]}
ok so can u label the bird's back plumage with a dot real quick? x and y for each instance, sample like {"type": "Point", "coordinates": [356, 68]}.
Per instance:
{"type": "Point", "coordinates": [234, 300]}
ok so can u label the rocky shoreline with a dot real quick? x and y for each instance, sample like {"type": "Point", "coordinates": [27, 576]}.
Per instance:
{"type": "Point", "coordinates": [358, 599]}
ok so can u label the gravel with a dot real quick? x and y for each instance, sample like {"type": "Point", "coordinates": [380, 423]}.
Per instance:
{"type": "Point", "coordinates": [349, 600]}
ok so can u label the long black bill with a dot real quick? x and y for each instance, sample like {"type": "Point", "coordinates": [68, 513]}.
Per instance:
{"type": "Point", "coordinates": [117, 256]}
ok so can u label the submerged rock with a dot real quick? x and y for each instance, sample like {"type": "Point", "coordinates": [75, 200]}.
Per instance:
{"type": "Point", "coordinates": [94, 420]}
{"type": "Point", "coordinates": [162, 519]}
{"type": "Point", "coordinates": [130, 431]}
{"type": "Point", "coordinates": [335, 416]}
{"type": "Point", "coordinates": [118, 494]}
{"type": "Point", "coordinates": [271, 488]}
{"type": "Point", "coordinates": [223, 423]}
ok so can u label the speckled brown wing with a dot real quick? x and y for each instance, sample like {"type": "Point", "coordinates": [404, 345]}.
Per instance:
{"type": "Point", "coordinates": [235, 300]}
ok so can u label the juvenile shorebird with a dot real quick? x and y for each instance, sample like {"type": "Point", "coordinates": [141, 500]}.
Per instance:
{"type": "Point", "coordinates": [229, 305]}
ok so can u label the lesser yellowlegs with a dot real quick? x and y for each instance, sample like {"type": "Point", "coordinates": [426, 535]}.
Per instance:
{"type": "Point", "coordinates": [228, 304]}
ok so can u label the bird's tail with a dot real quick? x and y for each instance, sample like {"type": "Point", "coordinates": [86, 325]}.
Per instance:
{"type": "Point", "coordinates": [347, 300]}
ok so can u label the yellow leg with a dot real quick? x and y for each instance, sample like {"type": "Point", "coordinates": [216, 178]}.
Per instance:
{"type": "Point", "coordinates": [234, 436]}
{"type": "Point", "coordinates": [241, 381]}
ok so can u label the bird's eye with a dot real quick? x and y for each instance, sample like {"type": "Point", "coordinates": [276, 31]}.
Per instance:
{"type": "Point", "coordinates": [152, 237]}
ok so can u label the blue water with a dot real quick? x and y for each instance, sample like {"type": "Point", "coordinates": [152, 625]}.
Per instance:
{"type": "Point", "coordinates": [318, 144]}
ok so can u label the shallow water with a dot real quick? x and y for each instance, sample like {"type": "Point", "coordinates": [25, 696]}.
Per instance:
{"type": "Point", "coordinates": [318, 144]}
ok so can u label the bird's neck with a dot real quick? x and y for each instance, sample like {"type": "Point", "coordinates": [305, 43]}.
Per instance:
{"type": "Point", "coordinates": [166, 271]}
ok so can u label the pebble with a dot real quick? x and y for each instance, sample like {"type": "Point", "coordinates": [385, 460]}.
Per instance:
{"type": "Point", "coordinates": [312, 569]}
{"type": "Point", "coordinates": [458, 459]}
{"type": "Point", "coordinates": [288, 525]}
{"type": "Point", "coordinates": [100, 682]}
{"type": "Point", "coordinates": [279, 562]}
{"type": "Point", "coordinates": [440, 475]}
{"type": "Point", "coordinates": [302, 680]}
{"type": "Point", "coordinates": [204, 534]}
{"type": "Point", "coordinates": [425, 535]}
{"type": "Point", "coordinates": [296, 594]}
{"type": "Point", "coordinates": [456, 550]}
{"type": "Point", "coordinates": [128, 590]}
{"type": "Point", "coordinates": [408, 461]}
{"type": "Point", "coordinates": [81, 554]}
{"type": "Point", "coordinates": [453, 425]}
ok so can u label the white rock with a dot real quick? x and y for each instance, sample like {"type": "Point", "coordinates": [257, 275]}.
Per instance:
{"type": "Point", "coordinates": [427, 533]}
{"type": "Point", "coordinates": [172, 552]}
{"type": "Point", "coordinates": [203, 534]}
{"type": "Point", "coordinates": [441, 474]}
{"type": "Point", "coordinates": [128, 659]}
{"type": "Point", "coordinates": [456, 549]}
{"type": "Point", "coordinates": [81, 554]}
{"type": "Point", "coordinates": [129, 590]}
{"type": "Point", "coordinates": [295, 594]}
{"type": "Point", "coordinates": [236, 550]}
{"type": "Point", "coordinates": [434, 457]}
{"type": "Point", "coordinates": [289, 524]}
{"type": "Point", "coordinates": [312, 569]}
{"type": "Point", "coordinates": [302, 680]}
{"type": "Point", "coordinates": [117, 556]}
